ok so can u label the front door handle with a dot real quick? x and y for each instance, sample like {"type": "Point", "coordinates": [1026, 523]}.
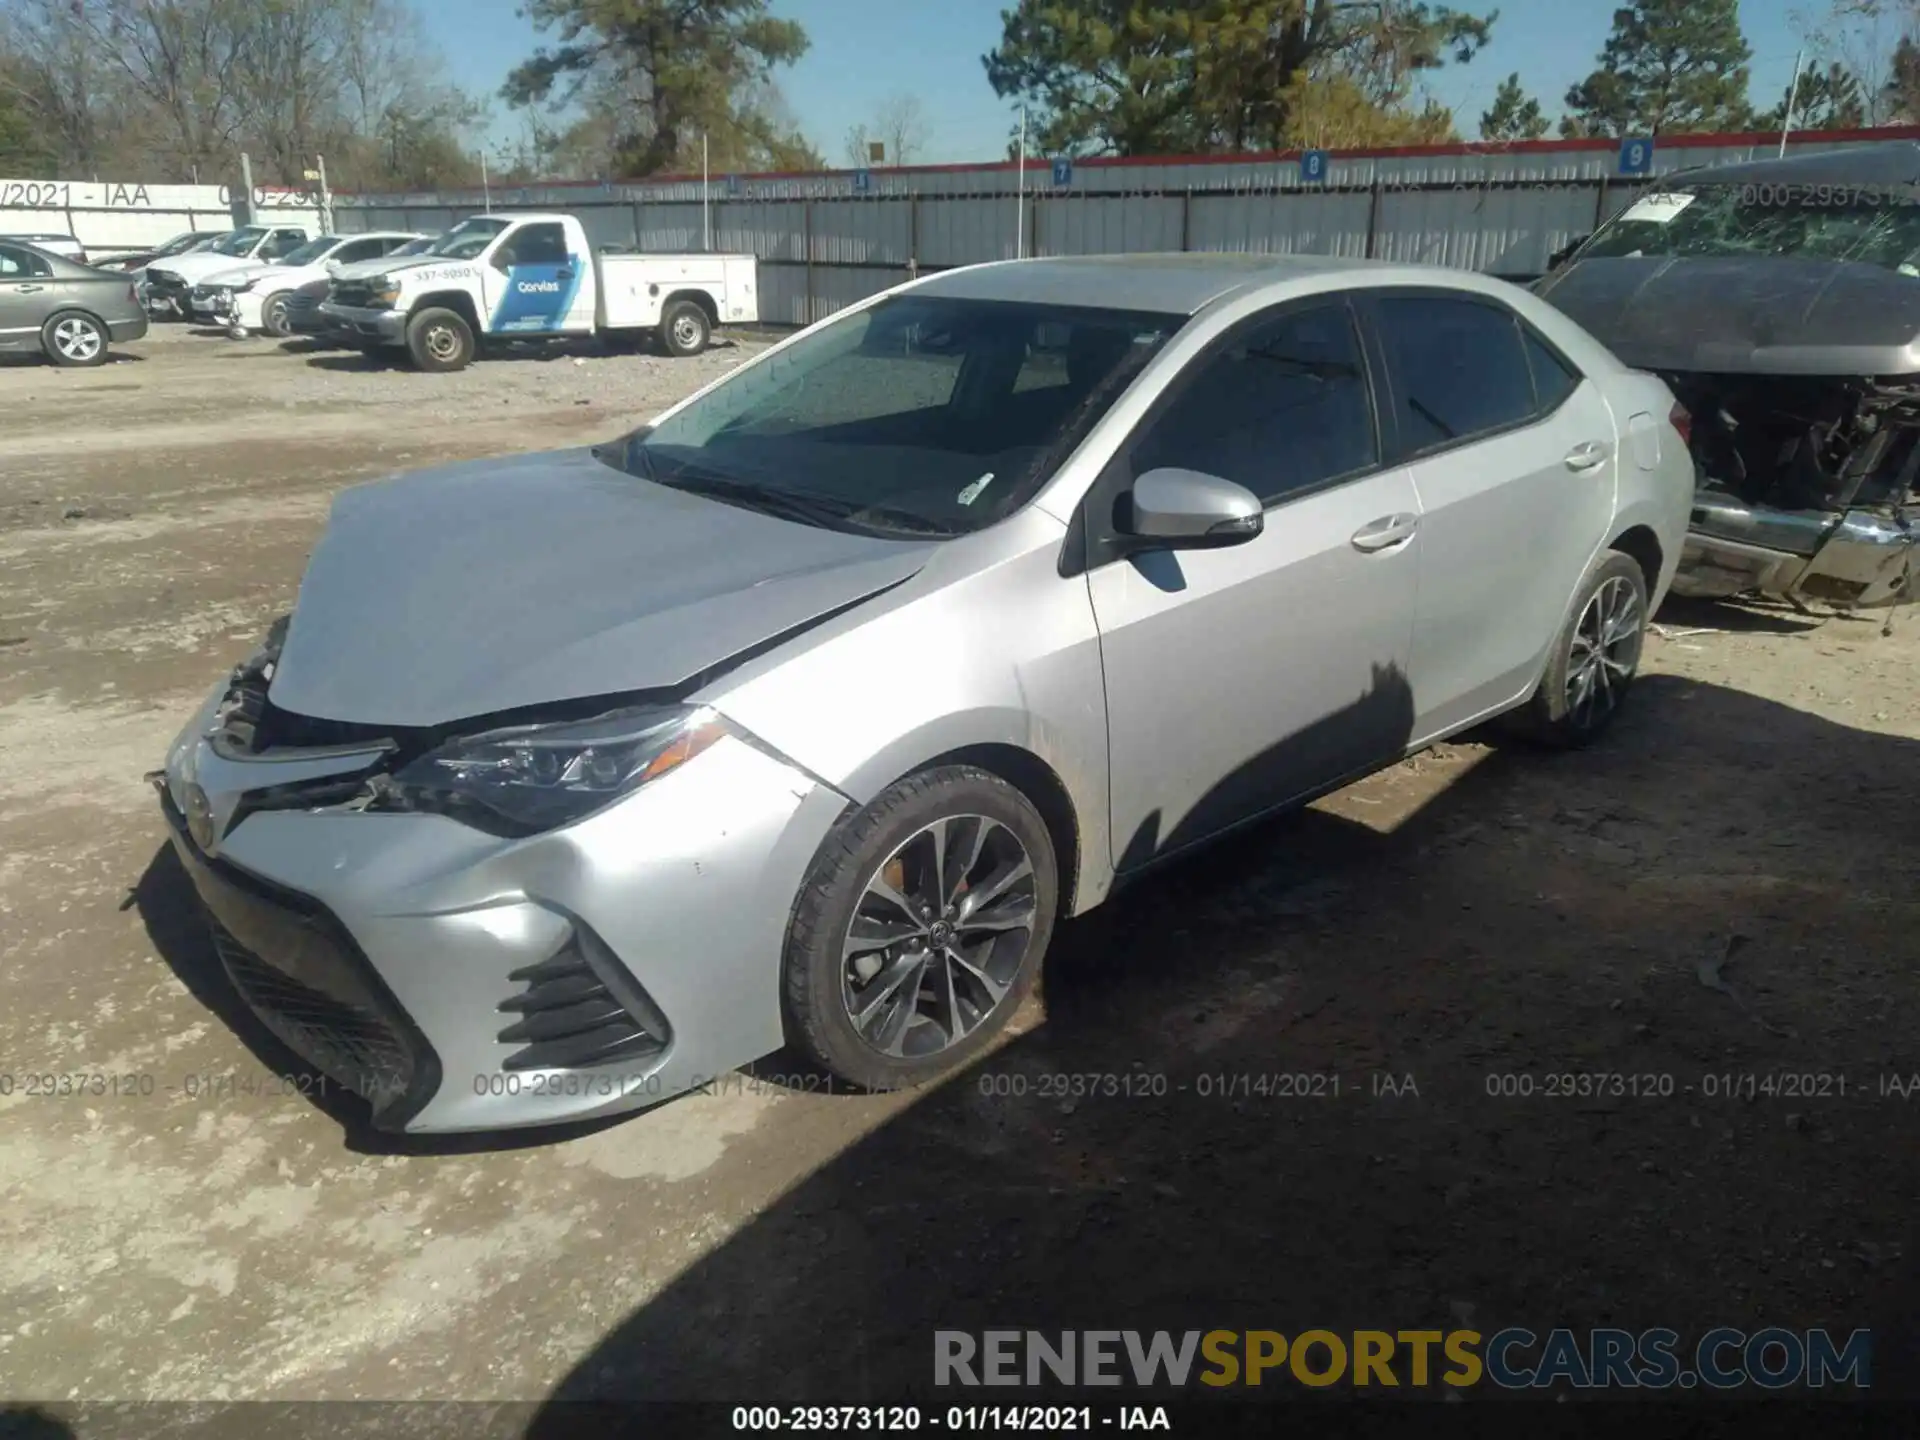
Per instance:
{"type": "Point", "coordinates": [28, 289]}
{"type": "Point", "coordinates": [563, 273]}
{"type": "Point", "coordinates": [1385, 533]}
{"type": "Point", "coordinates": [1585, 457]}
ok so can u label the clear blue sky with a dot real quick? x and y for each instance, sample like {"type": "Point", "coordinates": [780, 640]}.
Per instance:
{"type": "Point", "coordinates": [866, 50]}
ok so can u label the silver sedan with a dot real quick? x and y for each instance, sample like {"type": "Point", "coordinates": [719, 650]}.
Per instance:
{"type": "Point", "coordinates": [801, 715]}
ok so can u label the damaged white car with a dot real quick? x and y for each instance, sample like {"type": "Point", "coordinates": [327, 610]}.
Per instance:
{"type": "Point", "coordinates": [1780, 301]}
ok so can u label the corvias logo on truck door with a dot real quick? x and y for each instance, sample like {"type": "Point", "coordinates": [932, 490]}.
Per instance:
{"type": "Point", "coordinates": [537, 297]}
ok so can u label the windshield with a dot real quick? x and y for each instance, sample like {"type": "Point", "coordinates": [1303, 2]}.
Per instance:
{"type": "Point", "coordinates": [424, 245]}
{"type": "Point", "coordinates": [182, 242]}
{"type": "Point", "coordinates": [921, 415]}
{"type": "Point", "coordinates": [237, 243]}
{"type": "Point", "coordinates": [467, 239]}
{"type": "Point", "coordinates": [1815, 222]}
{"type": "Point", "coordinates": [311, 252]}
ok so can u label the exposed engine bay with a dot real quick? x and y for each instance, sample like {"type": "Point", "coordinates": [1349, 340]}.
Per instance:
{"type": "Point", "coordinates": [1807, 487]}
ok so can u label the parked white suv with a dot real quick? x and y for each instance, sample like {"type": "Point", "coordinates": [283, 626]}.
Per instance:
{"type": "Point", "coordinates": [258, 294]}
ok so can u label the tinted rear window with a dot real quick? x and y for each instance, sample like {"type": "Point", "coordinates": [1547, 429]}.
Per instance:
{"type": "Point", "coordinates": [1458, 368]}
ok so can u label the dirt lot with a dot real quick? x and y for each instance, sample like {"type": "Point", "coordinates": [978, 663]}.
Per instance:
{"type": "Point", "coordinates": [1475, 915]}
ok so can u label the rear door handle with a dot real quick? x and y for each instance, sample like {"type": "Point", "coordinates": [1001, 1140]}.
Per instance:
{"type": "Point", "coordinates": [1385, 533]}
{"type": "Point", "coordinates": [1585, 457]}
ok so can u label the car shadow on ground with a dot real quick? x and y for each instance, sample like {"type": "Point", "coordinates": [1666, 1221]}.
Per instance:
{"type": "Point", "coordinates": [1755, 615]}
{"type": "Point", "coordinates": [1302, 1081]}
{"type": "Point", "coordinates": [26, 358]}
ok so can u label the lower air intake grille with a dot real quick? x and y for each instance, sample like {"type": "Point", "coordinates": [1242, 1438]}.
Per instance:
{"type": "Point", "coordinates": [353, 1047]}
{"type": "Point", "coordinates": [570, 1017]}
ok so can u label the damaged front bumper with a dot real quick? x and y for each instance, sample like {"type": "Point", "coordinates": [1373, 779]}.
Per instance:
{"type": "Point", "coordinates": [359, 326]}
{"type": "Point", "coordinates": [461, 981]}
{"type": "Point", "coordinates": [1857, 559]}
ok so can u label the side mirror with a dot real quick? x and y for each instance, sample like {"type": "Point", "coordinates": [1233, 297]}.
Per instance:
{"type": "Point", "coordinates": [1189, 510]}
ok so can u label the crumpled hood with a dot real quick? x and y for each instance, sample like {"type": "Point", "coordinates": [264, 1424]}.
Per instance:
{"type": "Point", "coordinates": [197, 265]}
{"type": "Point", "coordinates": [464, 591]}
{"type": "Point", "coordinates": [237, 275]}
{"type": "Point", "coordinates": [368, 269]}
{"type": "Point", "coordinates": [1757, 315]}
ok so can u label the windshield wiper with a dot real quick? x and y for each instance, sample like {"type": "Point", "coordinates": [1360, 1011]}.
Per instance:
{"type": "Point", "coordinates": [807, 509]}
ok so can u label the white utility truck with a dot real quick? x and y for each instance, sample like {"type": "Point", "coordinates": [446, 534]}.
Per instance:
{"type": "Point", "coordinates": [537, 278]}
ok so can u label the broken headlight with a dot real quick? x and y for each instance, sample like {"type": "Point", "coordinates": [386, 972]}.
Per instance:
{"type": "Point", "coordinates": [538, 777]}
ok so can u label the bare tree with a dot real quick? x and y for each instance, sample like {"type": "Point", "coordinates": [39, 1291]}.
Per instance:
{"type": "Point", "coordinates": [1863, 37]}
{"type": "Point", "coordinates": [901, 126]}
{"type": "Point", "coordinates": [859, 146]}
{"type": "Point", "coordinates": [176, 88]}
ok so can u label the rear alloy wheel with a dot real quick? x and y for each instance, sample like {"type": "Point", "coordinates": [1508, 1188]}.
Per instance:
{"type": "Point", "coordinates": [440, 341]}
{"type": "Point", "coordinates": [273, 317]}
{"type": "Point", "coordinates": [1595, 656]}
{"type": "Point", "coordinates": [921, 929]}
{"type": "Point", "coordinates": [74, 339]}
{"type": "Point", "coordinates": [684, 329]}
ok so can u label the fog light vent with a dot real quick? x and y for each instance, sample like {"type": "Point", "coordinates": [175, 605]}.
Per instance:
{"type": "Point", "coordinates": [576, 1011]}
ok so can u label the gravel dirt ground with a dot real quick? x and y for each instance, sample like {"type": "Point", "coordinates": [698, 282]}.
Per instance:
{"type": "Point", "coordinates": [1721, 890]}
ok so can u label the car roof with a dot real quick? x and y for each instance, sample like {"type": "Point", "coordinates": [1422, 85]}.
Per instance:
{"type": "Point", "coordinates": [1896, 162]}
{"type": "Point", "coordinates": [1176, 283]}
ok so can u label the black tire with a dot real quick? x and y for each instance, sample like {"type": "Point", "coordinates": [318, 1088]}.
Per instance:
{"type": "Point", "coordinates": [684, 328]}
{"type": "Point", "coordinates": [1562, 714]}
{"type": "Point", "coordinates": [440, 341]}
{"type": "Point", "coordinates": [74, 339]}
{"type": "Point", "coordinates": [273, 316]}
{"type": "Point", "coordinates": [822, 982]}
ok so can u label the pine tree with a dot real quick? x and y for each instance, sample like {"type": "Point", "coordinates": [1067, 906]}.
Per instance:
{"type": "Point", "coordinates": [1668, 66]}
{"type": "Point", "coordinates": [1514, 115]}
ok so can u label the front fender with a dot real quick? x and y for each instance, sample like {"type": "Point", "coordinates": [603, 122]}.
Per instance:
{"type": "Point", "coordinates": [988, 646]}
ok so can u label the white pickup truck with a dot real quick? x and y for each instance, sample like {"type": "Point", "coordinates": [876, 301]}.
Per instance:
{"type": "Point", "coordinates": [536, 277]}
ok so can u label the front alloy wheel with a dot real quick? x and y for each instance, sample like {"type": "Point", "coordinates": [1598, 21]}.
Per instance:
{"type": "Point", "coordinates": [921, 929]}
{"type": "Point", "coordinates": [939, 936]}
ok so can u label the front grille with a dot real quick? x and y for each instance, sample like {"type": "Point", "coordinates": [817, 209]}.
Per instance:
{"type": "Point", "coordinates": [356, 294]}
{"type": "Point", "coordinates": [575, 1013]}
{"type": "Point", "coordinates": [352, 1046]}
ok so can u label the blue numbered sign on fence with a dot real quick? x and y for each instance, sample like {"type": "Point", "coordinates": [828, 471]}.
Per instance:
{"type": "Point", "coordinates": [733, 184]}
{"type": "Point", "coordinates": [1313, 166]}
{"type": "Point", "coordinates": [1636, 157]}
{"type": "Point", "coordinates": [1063, 171]}
{"type": "Point", "coordinates": [862, 181]}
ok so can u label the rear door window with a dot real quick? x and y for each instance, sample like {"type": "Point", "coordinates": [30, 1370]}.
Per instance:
{"type": "Point", "coordinates": [18, 264]}
{"type": "Point", "coordinates": [1458, 368]}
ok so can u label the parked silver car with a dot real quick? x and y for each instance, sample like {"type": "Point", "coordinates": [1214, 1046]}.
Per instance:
{"type": "Point", "coordinates": [802, 714]}
{"type": "Point", "coordinates": [69, 311]}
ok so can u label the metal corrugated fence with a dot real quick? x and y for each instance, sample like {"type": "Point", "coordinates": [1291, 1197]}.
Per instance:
{"type": "Point", "coordinates": [824, 242]}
